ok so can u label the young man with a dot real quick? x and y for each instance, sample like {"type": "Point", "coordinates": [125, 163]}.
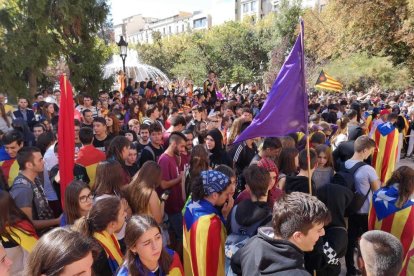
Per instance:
{"type": "Point", "coordinates": [131, 162]}
{"type": "Point", "coordinates": [87, 118]}
{"type": "Point", "coordinates": [153, 113]}
{"type": "Point", "coordinates": [298, 223]}
{"type": "Point", "coordinates": [386, 140]}
{"type": "Point", "coordinates": [177, 125]}
{"type": "Point", "coordinates": [27, 190]}
{"type": "Point", "coordinates": [171, 180]}
{"type": "Point", "coordinates": [88, 155]}
{"type": "Point", "coordinates": [366, 182]}
{"type": "Point", "coordinates": [271, 149]}
{"type": "Point", "coordinates": [154, 149]}
{"type": "Point", "coordinates": [204, 230]}
{"type": "Point", "coordinates": [143, 139]}
{"type": "Point", "coordinates": [13, 142]}
{"type": "Point", "coordinates": [101, 138]}
{"type": "Point", "coordinates": [381, 254]}
{"type": "Point", "coordinates": [37, 130]}
{"type": "Point", "coordinates": [300, 182]}
{"type": "Point", "coordinates": [196, 112]}
{"type": "Point", "coordinates": [87, 104]}
{"type": "Point", "coordinates": [24, 112]}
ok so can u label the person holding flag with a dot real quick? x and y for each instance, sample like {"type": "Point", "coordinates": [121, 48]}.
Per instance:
{"type": "Point", "coordinates": [392, 208]}
{"type": "Point", "coordinates": [385, 155]}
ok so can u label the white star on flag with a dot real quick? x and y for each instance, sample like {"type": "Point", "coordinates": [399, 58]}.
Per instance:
{"type": "Point", "coordinates": [381, 196]}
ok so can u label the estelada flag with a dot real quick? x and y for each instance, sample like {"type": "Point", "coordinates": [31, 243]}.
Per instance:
{"type": "Point", "coordinates": [385, 154]}
{"type": "Point", "coordinates": [327, 82]}
{"type": "Point", "coordinates": [385, 216]}
{"type": "Point", "coordinates": [66, 135]}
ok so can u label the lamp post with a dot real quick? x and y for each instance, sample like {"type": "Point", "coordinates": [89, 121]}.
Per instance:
{"type": "Point", "coordinates": [261, 67]}
{"type": "Point", "coordinates": [123, 48]}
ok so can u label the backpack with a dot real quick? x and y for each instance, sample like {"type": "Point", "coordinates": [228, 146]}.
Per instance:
{"type": "Point", "coordinates": [239, 236]}
{"type": "Point", "coordinates": [346, 177]}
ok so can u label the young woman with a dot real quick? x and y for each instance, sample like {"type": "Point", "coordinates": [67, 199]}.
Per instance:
{"type": "Point", "coordinates": [112, 124]}
{"type": "Point", "coordinates": [106, 217]}
{"type": "Point", "coordinates": [107, 180]}
{"type": "Point", "coordinates": [341, 134]}
{"type": "Point", "coordinates": [49, 112]}
{"type": "Point", "coordinates": [132, 113]}
{"type": "Point", "coordinates": [199, 162]}
{"type": "Point", "coordinates": [214, 143]}
{"type": "Point", "coordinates": [235, 130]}
{"type": "Point", "coordinates": [78, 202]}
{"type": "Point", "coordinates": [5, 120]}
{"type": "Point", "coordinates": [47, 258]}
{"type": "Point", "coordinates": [119, 150]}
{"type": "Point", "coordinates": [17, 233]}
{"type": "Point", "coordinates": [288, 164]}
{"type": "Point", "coordinates": [324, 172]}
{"type": "Point", "coordinates": [394, 204]}
{"type": "Point", "coordinates": [141, 192]}
{"type": "Point", "coordinates": [146, 253]}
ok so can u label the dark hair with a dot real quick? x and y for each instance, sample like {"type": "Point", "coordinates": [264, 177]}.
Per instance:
{"type": "Point", "coordinates": [150, 110]}
{"type": "Point", "coordinates": [25, 155]}
{"type": "Point", "coordinates": [197, 188]}
{"type": "Point", "coordinates": [271, 143]}
{"type": "Point", "coordinates": [258, 179]}
{"type": "Point", "coordinates": [226, 170]}
{"type": "Point", "coordinates": [100, 120]}
{"type": "Point", "coordinates": [286, 161]}
{"type": "Point", "coordinates": [45, 140]}
{"type": "Point", "coordinates": [155, 127]}
{"type": "Point", "coordinates": [178, 120]}
{"type": "Point", "coordinates": [135, 228]}
{"type": "Point", "coordinates": [318, 137]}
{"type": "Point", "coordinates": [328, 152]}
{"type": "Point", "coordinates": [176, 137]}
{"type": "Point", "coordinates": [103, 212]}
{"type": "Point", "coordinates": [47, 257]}
{"type": "Point", "coordinates": [40, 125]}
{"type": "Point", "coordinates": [86, 135]}
{"type": "Point", "coordinates": [13, 136]}
{"type": "Point", "coordinates": [114, 129]}
{"type": "Point", "coordinates": [85, 111]}
{"type": "Point", "coordinates": [72, 193]}
{"type": "Point", "coordinates": [303, 159]}
{"type": "Point", "coordinates": [298, 212]}
{"type": "Point", "coordinates": [116, 146]}
{"type": "Point", "coordinates": [351, 114]}
{"type": "Point", "coordinates": [109, 174]}
{"type": "Point", "coordinates": [143, 127]}
{"type": "Point", "coordinates": [404, 176]}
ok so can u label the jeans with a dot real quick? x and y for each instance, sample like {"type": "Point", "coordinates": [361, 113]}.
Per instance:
{"type": "Point", "coordinates": [176, 225]}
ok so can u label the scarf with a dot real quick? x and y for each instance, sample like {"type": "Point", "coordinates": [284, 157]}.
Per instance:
{"type": "Point", "coordinates": [24, 234]}
{"type": "Point", "coordinates": [111, 247]}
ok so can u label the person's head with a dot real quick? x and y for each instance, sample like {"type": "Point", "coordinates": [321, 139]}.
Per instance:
{"type": "Point", "coordinates": [230, 173]}
{"type": "Point", "coordinates": [112, 123]}
{"type": "Point", "coordinates": [5, 262]}
{"type": "Point", "coordinates": [132, 155]}
{"type": "Point", "coordinates": [325, 158]}
{"type": "Point", "coordinates": [155, 132]}
{"type": "Point", "coordinates": [119, 149]}
{"type": "Point", "coordinates": [214, 140]}
{"type": "Point", "coordinates": [109, 175]}
{"type": "Point", "coordinates": [99, 126]}
{"type": "Point", "coordinates": [257, 181]}
{"type": "Point", "coordinates": [288, 162]}
{"type": "Point", "coordinates": [153, 112]}
{"type": "Point", "coordinates": [300, 218]}
{"type": "Point", "coordinates": [271, 148]}
{"type": "Point", "coordinates": [30, 158]}
{"type": "Point", "coordinates": [62, 252]}
{"type": "Point", "coordinates": [78, 200]}
{"type": "Point", "coordinates": [45, 140]}
{"type": "Point", "coordinates": [271, 167]}
{"type": "Point", "coordinates": [13, 142]}
{"type": "Point", "coordinates": [352, 115]}
{"type": "Point", "coordinates": [235, 130]}
{"type": "Point", "coordinates": [197, 111]}
{"type": "Point", "coordinates": [381, 254]}
{"type": "Point", "coordinates": [190, 137]}
{"type": "Point", "coordinates": [87, 116]}
{"type": "Point", "coordinates": [199, 160]}
{"type": "Point", "coordinates": [22, 103]}
{"type": "Point", "coordinates": [392, 118]}
{"type": "Point", "coordinates": [364, 146]}
{"type": "Point", "coordinates": [404, 176]}
{"type": "Point", "coordinates": [178, 122]}
{"type": "Point", "coordinates": [213, 186]}
{"type": "Point", "coordinates": [150, 173]}
{"type": "Point", "coordinates": [144, 132]}
{"type": "Point", "coordinates": [86, 136]}
{"type": "Point", "coordinates": [49, 109]}
{"type": "Point", "coordinates": [177, 142]}
{"type": "Point", "coordinates": [87, 101]}
{"type": "Point", "coordinates": [106, 214]}
{"type": "Point", "coordinates": [303, 159]}
{"type": "Point", "coordinates": [133, 125]}
{"type": "Point", "coordinates": [211, 75]}
{"type": "Point", "coordinates": [143, 239]}
{"type": "Point", "coordinates": [317, 138]}
{"type": "Point", "coordinates": [247, 114]}
{"type": "Point", "coordinates": [38, 129]}
{"type": "Point", "coordinates": [342, 124]}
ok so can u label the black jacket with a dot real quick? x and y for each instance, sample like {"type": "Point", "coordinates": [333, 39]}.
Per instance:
{"type": "Point", "coordinates": [249, 213]}
{"type": "Point", "coordinates": [265, 255]}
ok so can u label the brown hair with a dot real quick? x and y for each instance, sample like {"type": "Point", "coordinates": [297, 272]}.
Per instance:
{"type": "Point", "coordinates": [303, 159]}
{"type": "Point", "coordinates": [109, 176]}
{"type": "Point", "coordinates": [114, 129]}
{"type": "Point", "coordinates": [4, 115]}
{"type": "Point", "coordinates": [298, 212]}
{"type": "Point", "coordinates": [103, 212]}
{"type": "Point", "coordinates": [286, 161]}
{"type": "Point", "coordinates": [328, 152]}
{"type": "Point", "coordinates": [235, 130]}
{"type": "Point", "coordinates": [257, 178]}
{"type": "Point", "coordinates": [363, 143]}
{"type": "Point", "coordinates": [135, 228]}
{"type": "Point", "coordinates": [72, 193]}
{"type": "Point", "coordinates": [404, 176]}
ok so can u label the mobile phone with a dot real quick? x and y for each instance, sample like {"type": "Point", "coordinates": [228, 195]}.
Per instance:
{"type": "Point", "coordinates": [165, 195]}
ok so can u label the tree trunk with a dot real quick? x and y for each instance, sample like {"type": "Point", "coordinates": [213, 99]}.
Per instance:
{"type": "Point", "coordinates": [32, 83]}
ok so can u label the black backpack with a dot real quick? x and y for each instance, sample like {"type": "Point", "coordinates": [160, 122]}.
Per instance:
{"type": "Point", "coordinates": [346, 177]}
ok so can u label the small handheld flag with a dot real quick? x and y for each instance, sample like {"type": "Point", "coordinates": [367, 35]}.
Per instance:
{"type": "Point", "coordinates": [327, 82]}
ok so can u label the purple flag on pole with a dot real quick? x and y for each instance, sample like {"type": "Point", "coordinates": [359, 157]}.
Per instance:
{"type": "Point", "coordinates": [286, 107]}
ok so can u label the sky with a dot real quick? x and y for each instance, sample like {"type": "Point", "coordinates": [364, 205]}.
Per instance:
{"type": "Point", "coordinates": [156, 8]}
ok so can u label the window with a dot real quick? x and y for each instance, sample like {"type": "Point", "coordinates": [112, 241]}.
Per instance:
{"type": "Point", "coordinates": [200, 23]}
{"type": "Point", "coordinates": [246, 7]}
{"type": "Point", "coordinates": [253, 6]}
{"type": "Point", "coordinates": [182, 28]}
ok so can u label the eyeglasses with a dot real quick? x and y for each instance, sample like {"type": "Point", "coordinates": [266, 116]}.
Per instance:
{"type": "Point", "coordinates": [84, 199]}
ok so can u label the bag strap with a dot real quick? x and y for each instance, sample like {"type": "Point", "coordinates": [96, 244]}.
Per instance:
{"type": "Point", "coordinates": [148, 148]}
{"type": "Point", "coordinates": [356, 167]}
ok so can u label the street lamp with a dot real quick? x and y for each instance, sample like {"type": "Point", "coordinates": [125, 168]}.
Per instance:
{"type": "Point", "coordinates": [123, 48]}
{"type": "Point", "coordinates": [261, 66]}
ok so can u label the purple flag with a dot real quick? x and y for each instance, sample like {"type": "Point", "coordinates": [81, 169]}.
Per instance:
{"type": "Point", "coordinates": [286, 107]}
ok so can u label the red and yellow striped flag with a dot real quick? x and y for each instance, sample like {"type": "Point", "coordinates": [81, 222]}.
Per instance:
{"type": "Point", "coordinates": [385, 155]}
{"type": "Point", "coordinates": [327, 82]}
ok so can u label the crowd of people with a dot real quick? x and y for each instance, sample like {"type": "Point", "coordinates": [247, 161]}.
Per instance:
{"type": "Point", "coordinates": [160, 188]}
